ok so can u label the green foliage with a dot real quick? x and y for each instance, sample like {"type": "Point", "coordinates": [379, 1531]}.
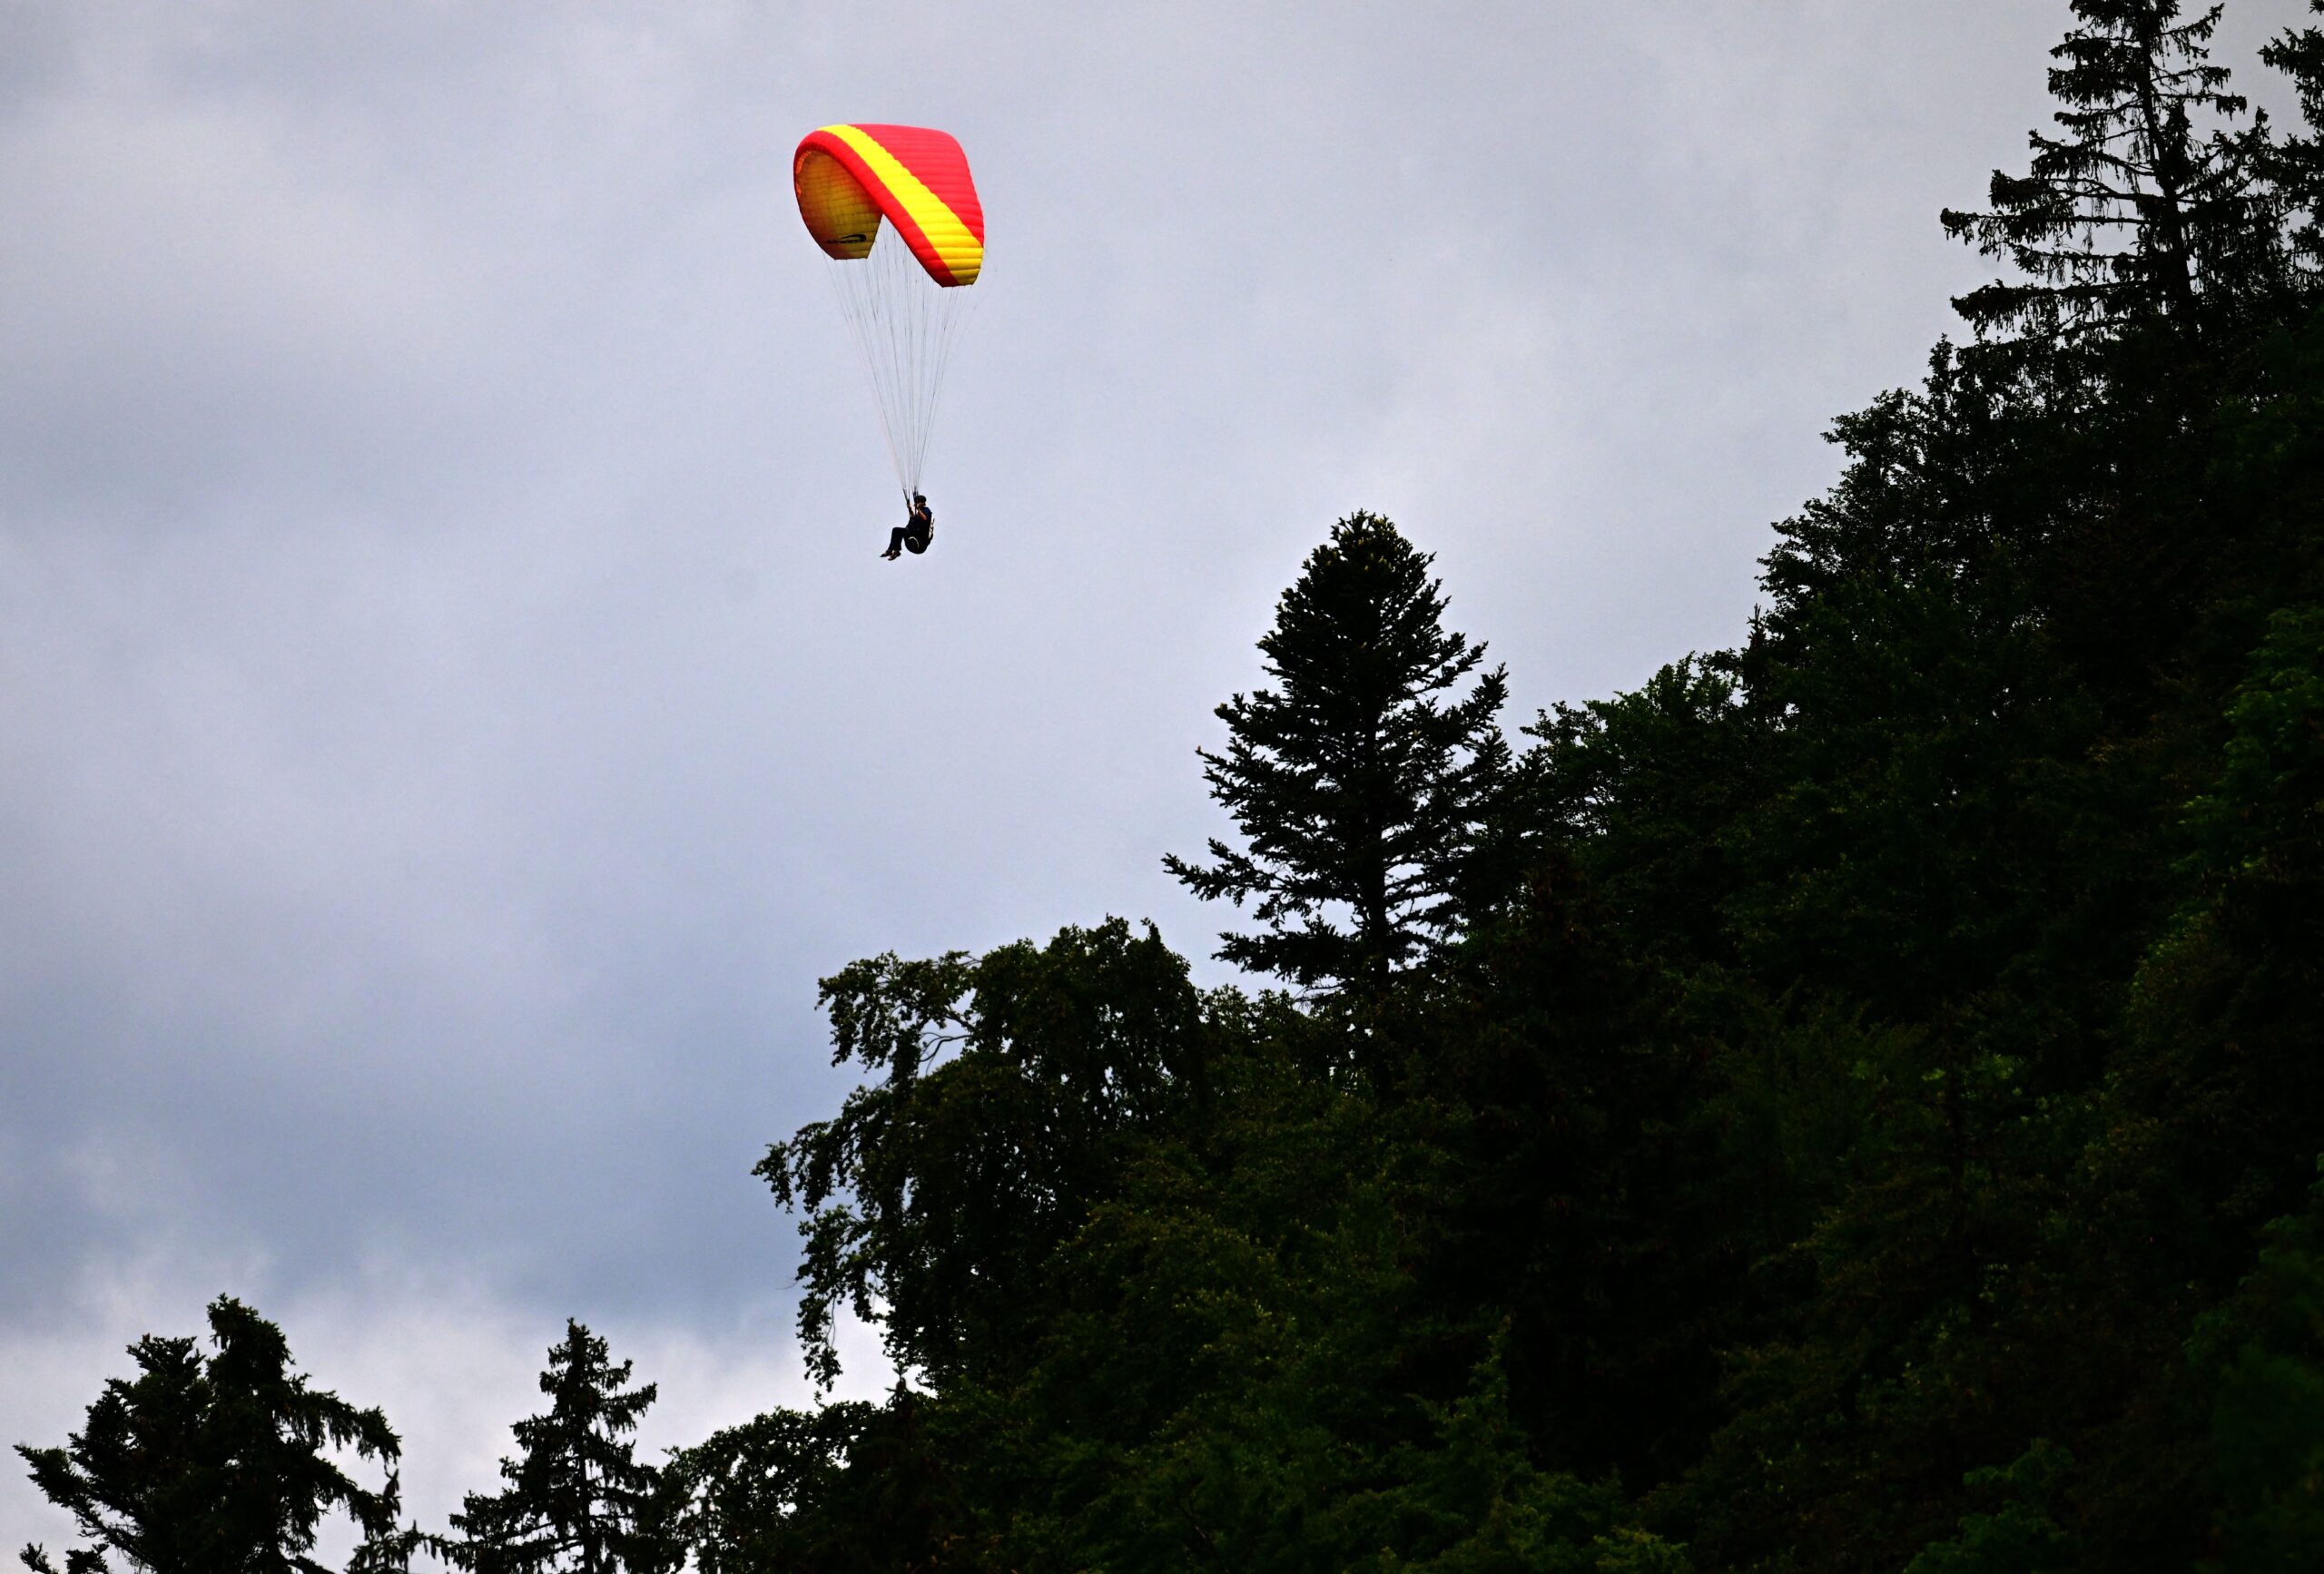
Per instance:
{"type": "Point", "coordinates": [2136, 166]}
{"type": "Point", "coordinates": [1571, 1196]}
{"type": "Point", "coordinates": [847, 1489]}
{"type": "Point", "coordinates": [1217, 1343]}
{"type": "Point", "coordinates": [1474, 1503]}
{"type": "Point", "coordinates": [203, 1464]}
{"type": "Point", "coordinates": [1638, 791]}
{"type": "Point", "coordinates": [1012, 1090]}
{"type": "Point", "coordinates": [2218, 1099]}
{"type": "Point", "coordinates": [2264, 825]}
{"type": "Point", "coordinates": [1786, 1089]}
{"type": "Point", "coordinates": [2262, 1355]}
{"type": "Point", "coordinates": [1362, 785]}
{"type": "Point", "coordinates": [2299, 162]}
{"type": "Point", "coordinates": [576, 1497]}
{"type": "Point", "coordinates": [2019, 1537]}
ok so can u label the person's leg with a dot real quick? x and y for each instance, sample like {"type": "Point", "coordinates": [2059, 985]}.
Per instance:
{"type": "Point", "coordinates": [895, 542]}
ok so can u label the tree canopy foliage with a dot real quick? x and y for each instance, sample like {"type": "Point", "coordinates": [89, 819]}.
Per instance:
{"type": "Point", "coordinates": [218, 1463]}
{"type": "Point", "coordinates": [576, 1497]}
{"type": "Point", "coordinates": [1361, 784]}
{"type": "Point", "coordinates": [1849, 1104]}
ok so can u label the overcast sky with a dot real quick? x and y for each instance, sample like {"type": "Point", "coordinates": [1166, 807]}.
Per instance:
{"type": "Point", "coordinates": [450, 710]}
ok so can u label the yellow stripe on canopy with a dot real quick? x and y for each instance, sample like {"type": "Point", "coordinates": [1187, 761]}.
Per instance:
{"type": "Point", "coordinates": [962, 252]}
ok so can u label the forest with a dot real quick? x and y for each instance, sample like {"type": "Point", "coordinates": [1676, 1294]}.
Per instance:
{"type": "Point", "coordinates": [1855, 1103]}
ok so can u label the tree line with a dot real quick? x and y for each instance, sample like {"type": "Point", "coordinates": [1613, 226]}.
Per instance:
{"type": "Point", "coordinates": [1853, 1103]}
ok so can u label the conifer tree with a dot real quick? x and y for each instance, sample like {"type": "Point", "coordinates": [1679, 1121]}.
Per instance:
{"type": "Point", "coordinates": [2148, 207]}
{"type": "Point", "coordinates": [1359, 785]}
{"type": "Point", "coordinates": [2299, 53]}
{"type": "Point", "coordinates": [200, 1464]}
{"type": "Point", "coordinates": [576, 1499]}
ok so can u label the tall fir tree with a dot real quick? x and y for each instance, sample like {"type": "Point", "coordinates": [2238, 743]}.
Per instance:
{"type": "Point", "coordinates": [2151, 205]}
{"type": "Point", "coordinates": [577, 1500]}
{"type": "Point", "coordinates": [201, 1464]}
{"type": "Point", "coordinates": [1361, 784]}
{"type": "Point", "coordinates": [2298, 160]}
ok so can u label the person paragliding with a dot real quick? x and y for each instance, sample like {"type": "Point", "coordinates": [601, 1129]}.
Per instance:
{"type": "Point", "coordinates": [915, 533]}
{"type": "Point", "coordinates": [895, 210]}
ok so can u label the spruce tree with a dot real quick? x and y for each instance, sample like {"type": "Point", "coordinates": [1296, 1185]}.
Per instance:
{"type": "Point", "coordinates": [2299, 53]}
{"type": "Point", "coordinates": [576, 1497]}
{"type": "Point", "coordinates": [1360, 784]}
{"type": "Point", "coordinates": [2150, 207]}
{"type": "Point", "coordinates": [201, 1464]}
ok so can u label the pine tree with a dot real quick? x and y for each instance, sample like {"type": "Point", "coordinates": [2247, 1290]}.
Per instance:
{"type": "Point", "coordinates": [2150, 207]}
{"type": "Point", "coordinates": [1361, 784]}
{"type": "Point", "coordinates": [202, 1464]}
{"type": "Point", "coordinates": [2299, 53]}
{"type": "Point", "coordinates": [576, 1497]}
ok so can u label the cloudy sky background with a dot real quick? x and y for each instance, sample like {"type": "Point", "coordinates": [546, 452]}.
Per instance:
{"type": "Point", "coordinates": [451, 712]}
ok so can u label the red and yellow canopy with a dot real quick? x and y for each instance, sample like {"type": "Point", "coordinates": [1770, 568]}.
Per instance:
{"type": "Point", "coordinates": [849, 177]}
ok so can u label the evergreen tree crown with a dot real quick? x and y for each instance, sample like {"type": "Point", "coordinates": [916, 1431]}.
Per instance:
{"type": "Point", "coordinates": [2149, 206]}
{"type": "Point", "coordinates": [576, 1497]}
{"type": "Point", "coordinates": [222, 1462]}
{"type": "Point", "coordinates": [1359, 783]}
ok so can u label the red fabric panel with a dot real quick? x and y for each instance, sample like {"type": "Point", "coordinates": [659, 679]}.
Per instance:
{"type": "Point", "coordinates": [934, 158]}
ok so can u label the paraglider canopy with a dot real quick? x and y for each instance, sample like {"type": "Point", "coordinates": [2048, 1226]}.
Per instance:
{"type": "Point", "coordinates": [896, 210]}
{"type": "Point", "coordinates": [849, 177]}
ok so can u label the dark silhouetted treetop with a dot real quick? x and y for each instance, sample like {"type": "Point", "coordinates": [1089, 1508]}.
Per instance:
{"type": "Point", "coordinates": [200, 1465]}
{"type": "Point", "coordinates": [1360, 783]}
{"type": "Point", "coordinates": [1828, 1112]}
{"type": "Point", "coordinates": [576, 1500]}
{"type": "Point", "coordinates": [2149, 206]}
{"type": "Point", "coordinates": [2299, 53]}
{"type": "Point", "coordinates": [845, 1488]}
{"type": "Point", "coordinates": [1011, 1086]}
